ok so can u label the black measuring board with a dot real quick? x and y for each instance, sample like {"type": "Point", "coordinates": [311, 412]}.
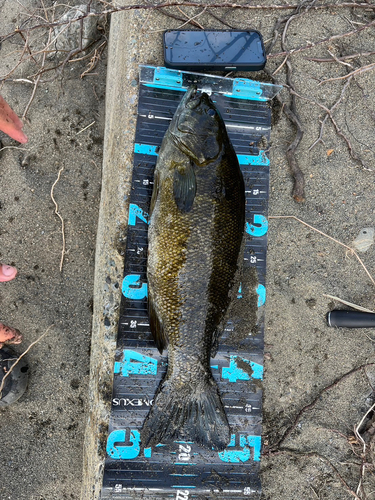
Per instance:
{"type": "Point", "coordinates": [183, 470]}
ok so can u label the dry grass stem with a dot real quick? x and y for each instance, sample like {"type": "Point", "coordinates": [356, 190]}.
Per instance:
{"type": "Point", "coordinates": [13, 147]}
{"type": "Point", "coordinates": [178, 18]}
{"type": "Point", "coordinates": [189, 18]}
{"type": "Point", "coordinates": [95, 58]}
{"type": "Point", "coordinates": [88, 126]}
{"type": "Point", "coordinates": [20, 357]}
{"type": "Point", "coordinates": [221, 20]}
{"type": "Point", "coordinates": [291, 112]}
{"type": "Point", "coordinates": [350, 304]}
{"type": "Point", "coordinates": [60, 217]}
{"type": "Point", "coordinates": [329, 237]}
{"type": "Point", "coordinates": [20, 61]}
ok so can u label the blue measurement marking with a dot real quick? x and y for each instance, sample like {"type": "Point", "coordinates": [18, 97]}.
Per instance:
{"type": "Point", "coordinates": [134, 212]}
{"type": "Point", "coordinates": [146, 149]}
{"type": "Point", "coordinates": [234, 373]}
{"type": "Point", "coordinates": [243, 455]}
{"type": "Point", "coordinates": [123, 452]}
{"type": "Point", "coordinates": [183, 486]}
{"type": "Point", "coordinates": [166, 87]}
{"type": "Point", "coordinates": [135, 363]}
{"type": "Point", "coordinates": [260, 159]}
{"type": "Point", "coordinates": [185, 475]}
{"type": "Point", "coordinates": [261, 291]}
{"type": "Point", "coordinates": [260, 226]}
{"type": "Point", "coordinates": [133, 288]}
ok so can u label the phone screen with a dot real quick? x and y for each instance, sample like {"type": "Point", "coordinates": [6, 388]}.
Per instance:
{"type": "Point", "coordinates": [221, 48]}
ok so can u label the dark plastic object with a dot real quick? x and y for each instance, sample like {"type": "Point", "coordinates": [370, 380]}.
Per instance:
{"type": "Point", "coordinates": [208, 50]}
{"type": "Point", "coordinates": [16, 382]}
{"type": "Point", "coordinates": [351, 319]}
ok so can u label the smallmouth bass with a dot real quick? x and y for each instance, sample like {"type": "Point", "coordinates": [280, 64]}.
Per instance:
{"type": "Point", "coordinates": [195, 235]}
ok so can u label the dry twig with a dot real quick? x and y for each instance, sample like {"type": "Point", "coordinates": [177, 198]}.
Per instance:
{"type": "Point", "coordinates": [321, 42]}
{"type": "Point", "coordinates": [85, 128]}
{"type": "Point", "coordinates": [335, 124]}
{"type": "Point", "coordinates": [357, 432]}
{"type": "Point", "coordinates": [37, 80]}
{"type": "Point", "coordinates": [60, 217]}
{"type": "Point", "coordinates": [342, 58]}
{"type": "Point", "coordinates": [311, 405]}
{"type": "Point", "coordinates": [192, 18]}
{"type": "Point", "coordinates": [179, 18]}
{"type": "Point", "coordinates": [291, 109]}
{"type": "Point", "coordinates": [357, 71]}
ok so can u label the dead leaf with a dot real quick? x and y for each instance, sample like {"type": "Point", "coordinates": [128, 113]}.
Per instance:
{"type": "Point", "coordinates": [329, 152]}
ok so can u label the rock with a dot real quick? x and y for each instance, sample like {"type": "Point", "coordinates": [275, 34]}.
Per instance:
{"type": "Point", "coordinates": [364, 240]}
{"type": "Point", "coordinates": [68, 36]}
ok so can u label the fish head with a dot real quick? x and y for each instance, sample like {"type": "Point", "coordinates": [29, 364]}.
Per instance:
{"type": "Point", "coordinates": [197, 127]}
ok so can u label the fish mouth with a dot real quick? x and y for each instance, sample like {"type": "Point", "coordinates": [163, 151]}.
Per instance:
{"type": "Point", "coordinates": [192, 98]}
{"type": "Point", "coordinates": [191, 101]}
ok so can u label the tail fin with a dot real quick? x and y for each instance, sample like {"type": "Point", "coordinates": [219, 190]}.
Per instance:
{"type": "Point", "coordinates": [191, 411]}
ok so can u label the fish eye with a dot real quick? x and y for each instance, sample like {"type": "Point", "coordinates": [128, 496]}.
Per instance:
{"type": "Point", "coordinates": [211, 112]}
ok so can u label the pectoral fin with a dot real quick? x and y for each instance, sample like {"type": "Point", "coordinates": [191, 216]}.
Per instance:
{"type": "Point", "coordinates": [184, 186]}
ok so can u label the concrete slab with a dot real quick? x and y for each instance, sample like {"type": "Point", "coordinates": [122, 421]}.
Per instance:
{"type": "Point", "coordinates": [126, 50]}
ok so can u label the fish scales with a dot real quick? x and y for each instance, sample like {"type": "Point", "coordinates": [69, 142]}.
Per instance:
{"type": "Point", "coordinates": [195, 235]}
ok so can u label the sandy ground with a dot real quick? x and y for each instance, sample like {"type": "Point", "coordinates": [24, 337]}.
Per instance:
{"type": "Point", "coordinates": [41, 444]}
{"type": "Point", "coordinates": [310, 451]}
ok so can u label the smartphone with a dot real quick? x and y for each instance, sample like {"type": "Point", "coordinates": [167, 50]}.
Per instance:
{"type": "Point", "coordinates": [214, 50]}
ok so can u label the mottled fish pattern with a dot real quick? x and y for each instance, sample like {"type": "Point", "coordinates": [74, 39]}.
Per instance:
{"type": "Point", "coordinates": [195, 235]}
